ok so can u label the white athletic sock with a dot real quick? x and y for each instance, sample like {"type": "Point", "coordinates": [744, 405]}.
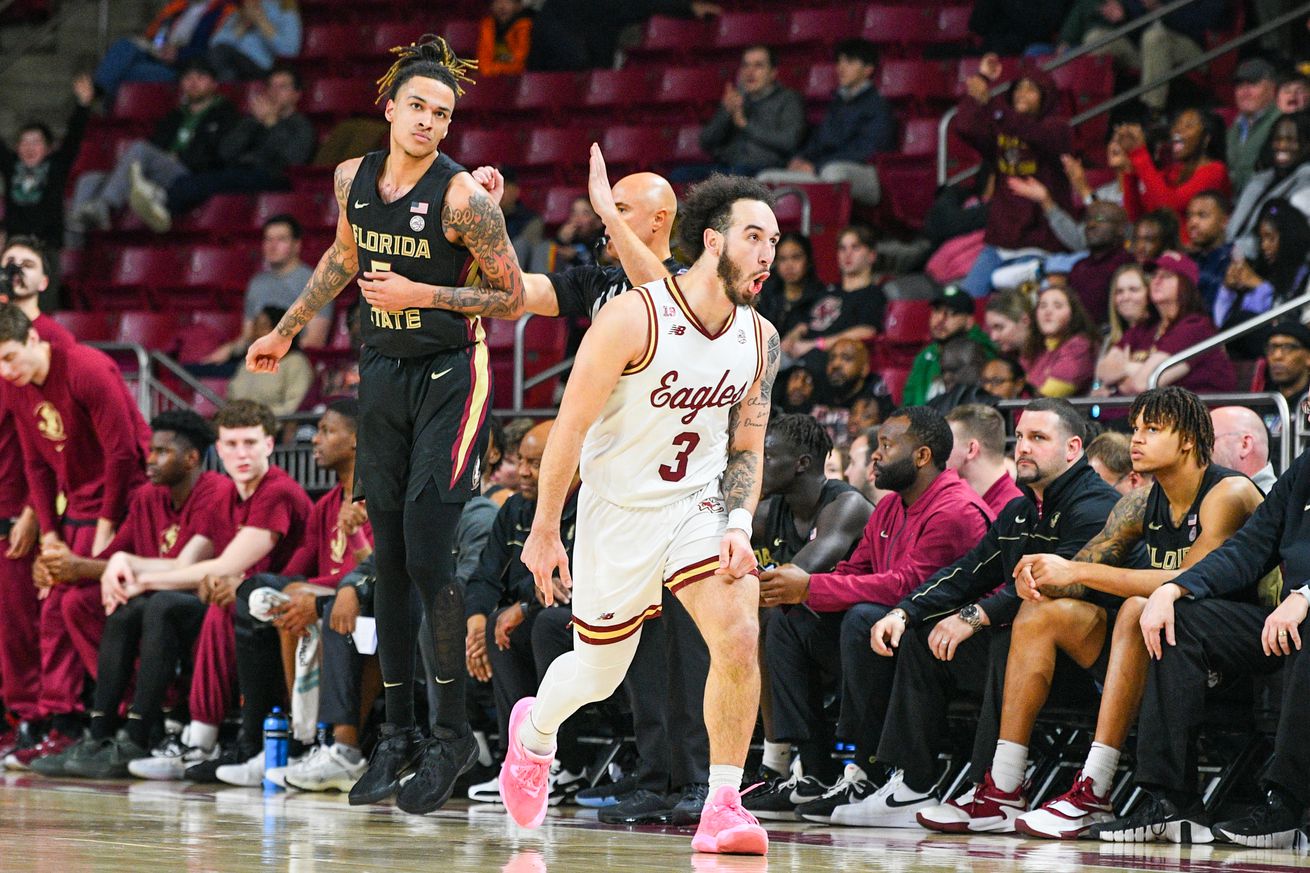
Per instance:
{"type": "Point", "coordinates": [1008, 765]}
{"type": "Point", "coordinates": [536, 741]}
{"type": "Point", "coordinates": [199, 735]}
{"type": "Point", "coordinates": [725, 774]}
{"type": "Point", "coordinates": [1101, 763]}
{"type": "Point", "coordinates": [351, 753]}
{"type": "Point", "coordinates": [777, 756]}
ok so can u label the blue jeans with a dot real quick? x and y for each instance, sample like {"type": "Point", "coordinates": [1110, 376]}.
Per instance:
{"type": "Point", "coordinates": [979, 281]}
{"type": "Point", "coordinates": [127, 62]}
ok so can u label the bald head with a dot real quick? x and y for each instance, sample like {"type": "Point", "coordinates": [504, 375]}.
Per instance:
{"type": "Point", "coordinates": [1241, 441]}
{"type": "Point", "coordinates": [531, 448]}
{"type": "Point", "coordinates": [648, 205]}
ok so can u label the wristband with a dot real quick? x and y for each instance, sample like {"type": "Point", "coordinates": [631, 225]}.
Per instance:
{"type": "Point", "coordinates": [741, 519]}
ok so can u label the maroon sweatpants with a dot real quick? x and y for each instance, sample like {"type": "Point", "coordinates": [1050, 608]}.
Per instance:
{"type": "Point", "coordinates": [20, 659]}
{"type": "Point", "coordinates": [72, 623]}
{"type": "Point", "coordinates": [215, 677]}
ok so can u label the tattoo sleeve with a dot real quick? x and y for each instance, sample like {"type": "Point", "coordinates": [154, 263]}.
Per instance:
{"type": "Point", "coordinates": [1123, 530]}
{"type": "Point", "coordinates": [741, 478]}
{"type": "Point", "coordinates": [335, 269]}
{"type": "Point", "coordinates": [481, 227]}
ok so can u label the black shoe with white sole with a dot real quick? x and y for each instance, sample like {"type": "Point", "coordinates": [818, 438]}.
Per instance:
{"type": "Point", "coordinates": [1273, 824]}
{"type": "Point", "coordinates": [1158, 819]}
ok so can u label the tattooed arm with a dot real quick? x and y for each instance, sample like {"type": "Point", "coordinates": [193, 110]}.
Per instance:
{"type": "Point", "coordinates": [335, 269]}
{"type": "Point", "coordinates": [747, 422]}
{"type": "Point", "coordinates": [1096, 565]}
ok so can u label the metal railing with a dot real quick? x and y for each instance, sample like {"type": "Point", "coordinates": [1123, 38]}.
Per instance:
{"type": "Point", "coordinates": [1299, 13]}
{"type": "Point", "coordinates": [141, 378]}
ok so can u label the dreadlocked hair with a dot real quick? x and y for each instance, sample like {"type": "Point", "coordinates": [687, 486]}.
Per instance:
{"type": "Point", "coordinates": [1180, 409]}
{"type": "Point", "coordinates": [432, 58]}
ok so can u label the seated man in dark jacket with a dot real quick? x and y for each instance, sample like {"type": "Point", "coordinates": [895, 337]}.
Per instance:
{"type": "Point", "coordinates": [759, 123]}
{"type": "Point", "coordinates": [858, 125]}
{"type": "Point", "coordinates": [254, 155]}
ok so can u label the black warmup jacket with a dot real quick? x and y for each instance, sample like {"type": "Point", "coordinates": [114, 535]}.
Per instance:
{"type": "Point", "coordinates": [501, 577]}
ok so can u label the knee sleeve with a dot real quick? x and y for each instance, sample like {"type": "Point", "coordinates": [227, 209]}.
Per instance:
{"type": "Point", "coordinates": [447, 623]}
{"type": "Point", "coordinates": [584, 675]}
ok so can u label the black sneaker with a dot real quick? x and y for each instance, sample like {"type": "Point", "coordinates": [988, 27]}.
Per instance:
{"type": "Point", "coordinates": [206, 772]}
{"type": "Point", "coordinates": [852, 787]}
{"type": "Point", "coordinates": [687, 810]}
{"type": "Point", "coordinates": [396, 753]}
{"type": "Point", "coordinates": [442, 760]}
{"type": "Point", "coordinates": [639, 807]}
{"type": "Point", "coordinates": [601, 796]}
{"type": "Point", "coordinates": [778, 799]}
{"type": "Point", "coordinates": [1272, 825]}
{"type": "Point", "coordinates": [107, 759]}
{"type": "Point", "coordinates": [1158, 819]}
{"type": "Point", "coordinates": [57, 764]}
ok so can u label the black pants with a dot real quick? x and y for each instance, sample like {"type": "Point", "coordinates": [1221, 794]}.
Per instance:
{"type": "Point", "coordinates": [259, 664]}
{"type": "Point", "coordinates": [1220, 637]}
{"type": "Point", "coordinates": [666, 689]}
{"type": "Point", "coordinates": [921, 698]}
{"type": "Point", "coordinates": [162, 627]}
{"type": "Point", "coordinates": [803, 653]}
{"type": "Point", "coordinates": [867, 679]}
{"type": "Point", "coordinates": [341, 673]}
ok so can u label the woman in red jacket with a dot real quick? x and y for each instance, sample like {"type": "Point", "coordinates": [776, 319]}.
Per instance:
{"type": "Point", "coordinates": [1196, 144]}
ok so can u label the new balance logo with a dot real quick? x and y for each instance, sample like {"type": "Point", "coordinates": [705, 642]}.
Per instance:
{"type": "Point", "coordinates": [678, 329]}
{"type": "Point", "coordinates": [606, 616]}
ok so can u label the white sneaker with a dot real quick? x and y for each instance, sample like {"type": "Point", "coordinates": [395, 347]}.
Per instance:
{"type": "Point", "coordinates": [892, 806]}
{"type": "Point", "coordinates": [563, 784]}
{"type": "Point", "coordinates": [148, 200]}
{"type": "Point", "coordinates": [952, 816]}
{"type": "Point", "coordinates": [1068, 816]}
{"type": "Point", "coordinates": [249, 774]}
{"type": "Point", "coordinates": [486, 792]}
{"type": "Point", "coordinates": [166, 764]}
{"type": "Point", "coordinates": [325, 768]}
{"type": "Point", "coordinates": [277, 775]}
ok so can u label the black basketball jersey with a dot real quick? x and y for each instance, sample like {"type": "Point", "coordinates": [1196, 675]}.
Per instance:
{"type": "Point", "coordinates": [1166, 544]}
{"type": "Point", "coordinates": [782, 540]}
{"type": "Point", "coordinates": [406, 237]}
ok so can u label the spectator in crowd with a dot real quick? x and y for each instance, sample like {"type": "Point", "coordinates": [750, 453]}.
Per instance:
{"type": "Point", "coordinates": [185, 141]}
{"type": "Point", "coordinates": [523, 226]}
{"type": "Point", "coordinates": [858, 125]}
{"type": "Point", "coordinates": [1256, 114]}
{"type": "Point", "coordinates": [181, 514]}
{"type": "Point", "coordinates": [1154, 233]}
{"type": "Point", "coordinates": [504, 39]}
{"type": "Point", "coordinates": [798, 390]}
{"type": "Point", "coordinates": [82, 439]}
{"type": "Point", "coordinates": [795, 497]}
{"type": "Point", "coordinates": [853, 309]}
{"type": "Point", "coordinates": [1021, 136]}
{"type": "Point", "coordinates": [1013, 27]}
{"type": "Point", "coordinates": [1197, 165]}
{"type": "Point", "coordinates": [850, 390]}
{"type": "Point", "coordinates": [35, 172]}
{"type": "Point", "coordinates": [284, 276]}
{"type": "Point", "coordinates": [253, 156]}
{"type": "Point", "coordinates": [956, 224]}
{"type": "Point", "coordinates": [179, 34]}
{"type": "Point", "coordinates": [856, 469]}
{"type": "Point", "coordinates": [1131, 306]}
{"type": "Point", "coordinates": [961, 371]}
{"type": "Point", "coordinates": [1287, 363]}
{"type": "Point", "coordinates": [254, 37]}
{"type": "Point", "coordinates": [1108, 192]}
{"type": "Point", "coordinates": [1004, 379]}
{"type": "Point", "coordinates": [938, 657]}
{"type": "Point", "coordinates": [1284, 174]}
{"type": "Point", "coordinates": [1009, 322]}
{"type": "Point", "coordinates": [1207, 220]}
{"type": "Point", "coordinates": [1276, 274]}
{"type": "Point", "coordinates": [1060, 355]}
{"type": "Point", "coordinates": [979, 454]}
{"type": "Point", "coordinates": [479, 513]}
{"type": "Point", "coordinates": [1111, 458]}
{"type": "Point", "coordinates": [1293, 93]}
{"type": "Point", "coordinates": [1154, 50]}
{"type": "Point", "coordinates": [759, 123]}
{"type": "Point", "coordinates": [1241, 443]}
{"type": "Point", "coordinates": [582, 35]}
{"type": "Point", "coordinates": [574, 241]}
{"type": "Point", "coordinates": [793, 286]}
{"type": "Point", "coordinates": [283, 390]}
{"type": "Point", "coordinates": [1182, 323]}
{"type": "Point", "coordinates": [952, 315]}
{"type": "Point", "coordinates": [269, 520]}
{"type": "Point", "coordinates": [929, 518]}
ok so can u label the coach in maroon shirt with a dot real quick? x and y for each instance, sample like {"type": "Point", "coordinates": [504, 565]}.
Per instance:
{"type": "Point", "coordinates": [979, 454]}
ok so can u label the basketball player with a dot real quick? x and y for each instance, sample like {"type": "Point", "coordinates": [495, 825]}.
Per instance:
{"type": "Point", "coordinates": [412, 215]}
{"type": "Point", "coordinates": [1191, 508]}
{"type": "Point", "coordinates": [671, 390]}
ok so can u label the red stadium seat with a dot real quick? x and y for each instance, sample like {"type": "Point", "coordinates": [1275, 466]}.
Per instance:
{"type": "Point", "coordinates": [546, 92]}
{"type": "Point", "coordinates": [223, 322]}
{"type": "Point", "coordinates": [821, 82]}
{"type": "Point", "coordinates": [136, 271]}
{"type": "Point", "coordinates": [487, 96]}
{"type": "Point", "coordinates": [673, 36]}
{"type": "Point", "coordinates": [462, 36]}
{"type": "Point", "coordinates": [906, 322]}
{"type": "Point", "coordinates": [89, 327]}
{"type": "Point", "coordinates": [226, 215]}
{"type": "Point", "coordinates": [474, 147]}
{"type": "Point", "coordinates": [953, 24]}
{"type": "Point", "coordinates": [900, 25]}
{"type": "Point", "coordinates": [919, 137]}
{"type": "Point", "coordinates": [328, 41]}
{"type": "Point", "coordinates": [622, 89]}
{"type": "Point", "coordinates": [157, 331]}
{"type": "Point", "coordinates": [635, 146]}
{"type": "Point", "coordinates": [915, 80]}
{"type": "Point", "coordinates": [339, 98]}
{"type": "Point", "coordinates": [691, 85]}
{"type": "Point", "coordinates": [390, 34]}
{"type": "Point", "coordinates": [558, 202]}
{"type": "Point", "coordinates": [144, 101]}
{"type": "Point", "coordinates": [212, 276]}
{"type": "Point", "coordinates": [311, 210]}
{"type": "Point", "coordinates": [557, 146]}
{"type": "Point", "coordinates": [822, 25]}
{"type": "Point", "coordinates": [735, 30]}
{"type": "Point", "coordinates": [686, 145]}
{"type": "Point", "coordinates": [895, 378]}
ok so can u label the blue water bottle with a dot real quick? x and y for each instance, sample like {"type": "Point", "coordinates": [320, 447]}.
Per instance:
{"type": "Point", "coordinates": [277, 738]}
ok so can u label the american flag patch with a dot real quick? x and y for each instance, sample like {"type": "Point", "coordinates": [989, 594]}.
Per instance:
{"type": "Point", "coordinates": [419, 208]}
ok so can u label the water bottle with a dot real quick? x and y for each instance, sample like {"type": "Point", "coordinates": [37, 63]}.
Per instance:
{"type": "Point", "coordinates": [323, 735]}
{"type": "Point", "coordinates": [277, 737]}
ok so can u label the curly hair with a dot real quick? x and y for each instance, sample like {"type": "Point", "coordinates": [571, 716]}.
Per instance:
{"type": "Point", "coordinates": [804, 434]}
{"type": "Point", "coordinates": [432, 58]}
{"type": "Point", "coordinates": [246, 413]}
{"type": "Point", "coordinates": [1180, 409]}
{"type": "Point", "coordinates": [187, 426]}
{"type": "Point", "coordinates": [709, 206]}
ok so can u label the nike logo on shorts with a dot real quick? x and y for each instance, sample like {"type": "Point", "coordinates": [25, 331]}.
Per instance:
{"type": "Point", "coordinates": [392, 684]}
{"type": "Point", "coordinates": [436, 376]}
{"type": "Point", "coordinates": [359, 205]}
{"type": "Point", "coordinates": [442, 681]}
{"type": "Point", "coordinates": [1153, 526]}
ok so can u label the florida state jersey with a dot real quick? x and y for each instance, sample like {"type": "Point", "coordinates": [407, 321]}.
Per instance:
{"type": "Point", "coordinates": [663, 433]}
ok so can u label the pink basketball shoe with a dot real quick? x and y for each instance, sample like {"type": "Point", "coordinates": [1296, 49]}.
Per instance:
{"type": "Point", "coordinates": [726, 828]}
{"type": "Point", "coordinates": [524, 777]}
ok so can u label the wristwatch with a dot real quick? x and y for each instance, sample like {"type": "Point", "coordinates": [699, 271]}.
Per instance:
{"type": "Point", "coordinates": [972, 615]}
{"type": "Point", "coordinates": [900, 613]}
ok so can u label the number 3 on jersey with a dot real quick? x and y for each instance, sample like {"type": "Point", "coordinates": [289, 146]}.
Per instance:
{"type": "Point", "coordinates": [675, 471]}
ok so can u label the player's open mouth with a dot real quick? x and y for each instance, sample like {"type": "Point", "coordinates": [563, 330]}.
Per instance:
{"type": "Point", "coordinates": [757, 284]}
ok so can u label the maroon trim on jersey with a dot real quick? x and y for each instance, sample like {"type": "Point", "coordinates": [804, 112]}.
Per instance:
{"type": "Point", "coordinates": [604, 636]}
{"type": "Point", "coordinates": [759, 345]}
{"type": "Point", "coordinates": [652, 336]}
{"type": "Point", "coordinates": [676, 293]}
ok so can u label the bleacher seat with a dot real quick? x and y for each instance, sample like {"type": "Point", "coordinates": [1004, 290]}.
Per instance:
{"type": "Point", "coordinates": [556, 146]}
{"type": "Point", "coordinates": [221, 217]}
{"type": "Point", "coordinates": [823, 25]}
{"type": "Point", "coordinates": [618, 89]}
{"type": "Point", "coordinates": [692, 86]}
{"type": "Point", "coordinates": [953, 24]}
{"type": "Point", "coordinates": [558, 201]}
{"type": "Point", "coordinates": [89, 327]}
{"type": "Point", "coordinates": [390, 34]}
{"type": "Point", "coordinates": [462, 36]}
{"type": "Point", "coordinates": [919, 137]}
{"type": "Point", "coordinates": [157, 331]}
{"type": "Point", "coordinates": [339, 98]}
{"type": "Point", "coordinates": [686, 145]}
{"type": "Point", "coordinates": [328, 42]}
{"type": "Point", "coordinates": [906, 321]}
{"type": "Point", "coordinates": [545, 92]}
{"type": "Point", "coordinates": [915, 80]}
{"type": "Point", "coordinates": [311, 210]}
{"type": "Point", "coordinates": [669, 37]}
{"type": "Point", "coordinates": [136, 270]}
{"type": "Point", "coordinates": [212, 276]}
{"type": "Point", "coordinates": [144, 101]}
{"type": "Point", "coordinates": [635, 145]}
{"type": "Point", "coordinates": [820, 83]}
{"type": "Point", "coordinates": [737, 30]}
{"type": "Point", "coordinates": [900, 25]}
{"type": "Point", "coordinates": [488, 97]}
{"type": "Point", "coordinates": [543, 346]}
{"type": "Point", "coordinates": [474, 147]}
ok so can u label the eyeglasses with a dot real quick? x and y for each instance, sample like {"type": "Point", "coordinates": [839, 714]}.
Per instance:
{"type": "Point", "coordinates": [995, 380]}
{"type": "Point", "coordinates": [1283, 348]}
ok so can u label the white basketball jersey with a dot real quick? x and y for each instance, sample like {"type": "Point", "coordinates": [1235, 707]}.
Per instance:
{"type": "Point", "coordinates": [663, 433]}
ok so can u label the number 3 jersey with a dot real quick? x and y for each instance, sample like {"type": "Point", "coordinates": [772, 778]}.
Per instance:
{"type": "Point", "coordinates": [663, 433]}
